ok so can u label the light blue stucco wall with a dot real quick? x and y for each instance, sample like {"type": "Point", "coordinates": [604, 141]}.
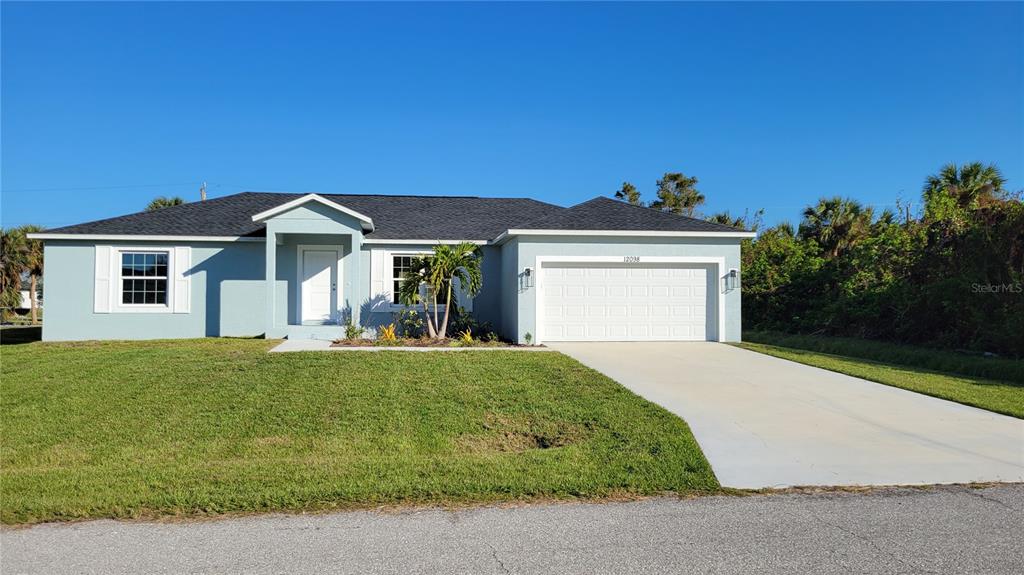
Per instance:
{"type": "Point", "coordinates": [227, 294]}
{"type": "Point", "coordinates": [526, 249]}
{"type": "Point", "coordinates": [229, 291]}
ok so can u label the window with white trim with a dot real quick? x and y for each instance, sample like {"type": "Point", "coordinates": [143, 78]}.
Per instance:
{"type": "Point", "coordinates": [144, 277]}
{"type": "Point", "coordinates": [399, 265]}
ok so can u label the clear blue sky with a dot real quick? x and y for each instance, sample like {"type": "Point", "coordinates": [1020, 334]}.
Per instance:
{"type": "Point", "coordinates": [770, 105]}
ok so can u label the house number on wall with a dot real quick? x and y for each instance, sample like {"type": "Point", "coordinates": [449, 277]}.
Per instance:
{"type": "Point", "coordinates": [631, 259]}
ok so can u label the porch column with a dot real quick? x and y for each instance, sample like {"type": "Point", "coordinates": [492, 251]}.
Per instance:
{"type": "Point", "coordinates": [271, 267]}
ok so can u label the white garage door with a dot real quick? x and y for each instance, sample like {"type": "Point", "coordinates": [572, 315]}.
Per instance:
{"type": "Point", "coordinates": [628, 302]}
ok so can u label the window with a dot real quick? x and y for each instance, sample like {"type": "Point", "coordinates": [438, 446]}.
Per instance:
{"type": "Point", "coordinates": [144, 278]}
{"type": "Point", "coordinates": [399, 265]}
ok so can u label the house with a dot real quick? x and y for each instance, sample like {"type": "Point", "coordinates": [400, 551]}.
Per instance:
{"type": "Point", "coordinates": [298, 266]}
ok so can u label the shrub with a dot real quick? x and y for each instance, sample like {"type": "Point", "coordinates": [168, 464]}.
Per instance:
{"type": "Point", "coordinates": [353, 331]}
{"type": "Point", "coordinates": [387, 333]}
{"type": "Point", "coordinates": [410, 323]}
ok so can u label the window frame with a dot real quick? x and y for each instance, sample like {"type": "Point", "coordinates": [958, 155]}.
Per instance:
{"type": "Point", "coordinates": [116, 263]}
{"type": "Point", "coordinates": [391, 279]}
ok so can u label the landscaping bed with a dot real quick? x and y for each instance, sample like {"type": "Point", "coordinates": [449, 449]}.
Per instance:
{"type": "Point", "coordinates": [214, 426]}
{"type": "Point", "coordinates": [419, 342]}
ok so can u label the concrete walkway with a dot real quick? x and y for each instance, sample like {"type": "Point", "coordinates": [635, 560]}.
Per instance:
{"type": "Point", "coordinates": [944, 530]}
{"type": "Point", "coordinates": [767, 422]}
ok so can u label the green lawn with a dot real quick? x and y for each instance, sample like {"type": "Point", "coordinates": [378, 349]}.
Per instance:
{"type": "Point", "coordinates": [1005, 397]}
{"type": "Point", "coordinates": [123, 429]}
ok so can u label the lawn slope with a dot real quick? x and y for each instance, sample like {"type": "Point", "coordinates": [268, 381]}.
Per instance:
{"type": "Point", "coordinates": [1006, 397]}
{"type": "Point", "coordinates": [119, 429]}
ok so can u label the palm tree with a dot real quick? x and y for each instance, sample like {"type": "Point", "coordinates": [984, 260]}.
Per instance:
{"type": "Point", "coordinates": [969, 186]}
{"type": "Point", "coordinates": [412, 288]}
{"type": "Point", "coordinates": [433, 275]}
{"type": "Point", "coordinates": [629, 193]}
{"type": "Point", "coordinates": [836, 224]}
{"type": "Point", "coordinates": [13, 262]}
{"type": "Point", "coordinates": [164, 202]}
{"type": "Point", "coordinates": [34, 266]}
{"type": "Point", "coordinates": [744, 222]}
{"type": "Point", "coordinates": [678, 194]}
{"type": "Point", "coordinates": [449, 264]}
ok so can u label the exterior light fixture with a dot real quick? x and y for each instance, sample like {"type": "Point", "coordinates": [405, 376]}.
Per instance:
{"type": "Point", "coordinates": [732, 279]}
{"type": "Point", "coordinates": [528, 277]}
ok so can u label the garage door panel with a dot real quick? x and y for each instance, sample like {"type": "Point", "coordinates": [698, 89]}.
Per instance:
{"type": "Point", "coordinates": [624, 302]}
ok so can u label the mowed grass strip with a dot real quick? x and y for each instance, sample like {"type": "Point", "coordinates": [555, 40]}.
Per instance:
{"type": "Point", "coordinates": [1004, 397]}
{"type": "Point", "coordinates": [141, 429]}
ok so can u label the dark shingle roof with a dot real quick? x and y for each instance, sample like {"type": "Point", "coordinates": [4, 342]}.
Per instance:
{"type": "Point", "coordinates": [607, 214]}
{"type": "Point", "coordinates": [398, 217]}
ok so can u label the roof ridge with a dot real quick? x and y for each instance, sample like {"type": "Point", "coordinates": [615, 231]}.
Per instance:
{"type": "Point", "coordinates": [656, 210]}
{"type": "Point", "coordinates": [422, 196]}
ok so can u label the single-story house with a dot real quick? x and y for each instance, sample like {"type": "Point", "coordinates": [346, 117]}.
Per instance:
{"type": "Point", "coordinates": [300, 265]}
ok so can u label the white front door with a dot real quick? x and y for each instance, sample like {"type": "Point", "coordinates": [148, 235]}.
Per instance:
{"type": "Point", "coordinates": [319, 282]}
{"type": "Point", "coordinates": [625, 302]}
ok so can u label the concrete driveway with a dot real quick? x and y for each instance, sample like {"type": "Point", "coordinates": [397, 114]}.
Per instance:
{"type": "Point", "coordinates": [767, 422]}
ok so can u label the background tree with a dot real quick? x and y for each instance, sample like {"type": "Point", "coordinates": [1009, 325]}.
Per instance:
{"type": "Point", "coordinates": [968, 186]}
{"type": "Point", "coordinates": [14, 256]}
{"type": "Point", "coordinates": [747, 222]}
{"type": "Point", "coordinates": [164, 202]}
{"type": "Point", "coordinates": [678, 194]}
{"type": "Point", "coordinates": [835, 224]}
{"type": "Point", "coordinates": [949, 278]}
{"type": "Point", "coordinates": [33, 266]}
{"type": "Point", "coordinates": [629, 193]}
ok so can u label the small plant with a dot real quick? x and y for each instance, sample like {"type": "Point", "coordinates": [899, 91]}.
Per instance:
{"type": "Point", "coordinates": [410, 323]}
{"type": "Point", "coordinates": [353, 331]}
{"type": "Point", "coordinates": [466, 337]}
{"type": "Point", "coordinates": [528, 338]}
{"type": "Point", "coordinates": [387, 333]}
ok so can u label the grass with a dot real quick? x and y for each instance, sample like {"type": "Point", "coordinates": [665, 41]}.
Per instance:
{"type": "Point", "coordinates": [945, 361]}
{"type": "Point", "coordinates": [204, 427]}
{"type": "Point", "coordinates": [1004, 397]}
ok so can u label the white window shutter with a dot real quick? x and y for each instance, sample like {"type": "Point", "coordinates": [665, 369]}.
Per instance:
{"type": "Point", "coordinates": [380, 274]}
{"type": "Point", "coordinates": [182, 295]}
{"type": "Point", "coordinates": [103, 281]}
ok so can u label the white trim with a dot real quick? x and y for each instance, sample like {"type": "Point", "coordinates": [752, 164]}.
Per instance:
{"type": "Point", "coordinates": [182, 286]}
{"type": "Point", "coordinates": [340, 251]}
{"type": "Point", "coordinates": [103, 279]}
{"type": "Point", "coordinates": [389, 259]}
{"type": "Point", "coordinates": [620, 233]}
{"type": "Point", "coordinates": [538, 269]}
{"type": "Point", "coordinates": [423, 242]}
{"type": "Point", "coordinates": [141, 238]}
{"type": "Point", "coordinates": [367, 222]}
{"type": "Point", "coordinates": [118, 285]}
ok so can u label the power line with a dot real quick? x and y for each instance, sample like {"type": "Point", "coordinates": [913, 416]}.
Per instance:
{"type": "Point", "coordinates": [86, 188]}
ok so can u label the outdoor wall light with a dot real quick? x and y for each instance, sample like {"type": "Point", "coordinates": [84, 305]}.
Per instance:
{"type": "Point", "coordinates": [528, 277]}
{"type": "Point", "coordinates": [732, 279]}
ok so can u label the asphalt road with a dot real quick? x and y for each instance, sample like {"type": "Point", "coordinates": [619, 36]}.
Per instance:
{"type": "Point", "coordinates": [939, 530]}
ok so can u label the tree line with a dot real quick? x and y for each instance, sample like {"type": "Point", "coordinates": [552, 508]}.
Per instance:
{"type": "Point", "coordinates": [950, 275]}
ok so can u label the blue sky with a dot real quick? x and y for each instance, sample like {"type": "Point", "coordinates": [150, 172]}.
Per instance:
{"type": "Point", "coordinates": [770, 105]}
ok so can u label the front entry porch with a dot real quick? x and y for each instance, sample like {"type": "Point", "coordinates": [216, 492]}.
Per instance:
{"type": "Point", "coordinates": [313, 280]}
{"type": "Point", "coordinates": [312, 294]}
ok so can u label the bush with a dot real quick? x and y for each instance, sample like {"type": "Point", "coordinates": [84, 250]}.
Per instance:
{"type": "Point", "coordinates": [410, 323]}
{"type": "Point", "coordinates": [353, 331]}
{"type": "Point", "coordinates": [462, 321]}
